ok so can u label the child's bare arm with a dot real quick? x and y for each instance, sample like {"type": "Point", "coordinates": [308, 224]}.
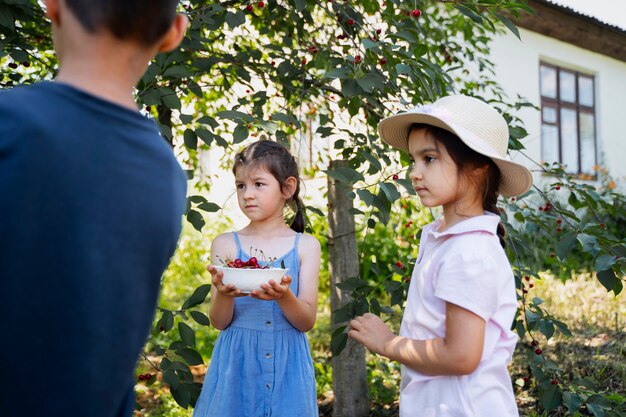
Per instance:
{"type": "Point", "coordinates": [457, 353]}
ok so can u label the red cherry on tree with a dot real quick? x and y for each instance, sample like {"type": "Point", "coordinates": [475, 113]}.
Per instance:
{"type": "Point", "coordinates": [416, 12]}
{"type": "Point", "coordinates": [399, 264]}
{"type": "Point", "coordinates": [261, 4]}
{"type": "Point", "coordinates": [382, 61]}
{"type": "Point", "coordinates": [395, 177]}
{"type": "Point", "coordinates": [350, 22]}
{"type": "Point", "coordinates": [249, 8]}
{"type": "Point", "coordinates": [357, 59]}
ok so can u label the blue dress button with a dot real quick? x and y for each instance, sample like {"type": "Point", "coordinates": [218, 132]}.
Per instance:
{"type": "Point", "coordinates": [268, 323]}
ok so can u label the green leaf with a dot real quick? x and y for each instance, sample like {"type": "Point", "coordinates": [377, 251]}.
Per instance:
{"type": "Point", "coordinates": [191, 139]}
{"type": "Point", "coordinates": [170, 99]}
{"type": "Point", "coordinates": [6, 19]}
{"type": "Point", "coordinates": [604, 262]}
{"type": "Point", "coordinates": [375, 306]}
{"type": "Point", "coordinates": [235, 19]}
{"type": "Point", "coordinates": [546, 328]}
{"type": "Point", "coordinates": [200, 318]}
{"type": "Point", "coordinates": [370, 82]}
{"type": "Point", "coordinates": [406, 183]}
{"type": "Point", "coordinates": [510, 25]}
{"type": "Point", "coordinates": [338, 73]}
{"type": "Point", "coordinates": [345, 174]}
{"type": "Point", "coordinates": [300, 5]}
{"type": "Point", "coordinates": [351, 284]}
{"type": "Point", "coordinates": [354, 105]}
{"type": "Point", "coordinates": [598, 405]}
{"type": "Point", "coordinates": [369, 44]}
{"type": "Point", "coordinates": [186, 118]}
{"type": "Point", "coordinates": [187, 335]}
{"type": "Point", "coordinates": [191, 356]}
{"type": "Point", "coordinates": [285, 118]}
{"type": "Point", "coordinates": [350, 88]}
{"type": "Point", "coordinates": [370, 158]}
{"type": "Point", "coordinates": [572, 401]}
{"type": "Point", "coordinates": [588, 242]}
{"type": "Point", "coordinates": [390, 190]}
{"type": "Point", "coordinates": [343, 313]}
{"type": "Point", "coordinates": [338, 340]}
{"type": "Point", "coordinates": [469, 13]}
{"type": "Point", "coordinates": [208, 207]}
{"type": "Point", "coordinates": [269, 127]}
{"type": "Point", "coordinates": [403, 69]}
{"type": "Point", "coordinates": [208, 120]}
{"type": "Point", "coordinates": [177, 71]}
{"type": "Point", "coordinates": [171, 379]}
{"type": "Point", "coordinates": [195, 218]}
{"type": "Point", "coordinates": [166, 321]}
{"type": "Point", "coordinates": [235, 115]}
{"type": "Point", "coordinates": [240, 134]}
{"type": "Point", "coordinates": [198, 296]}
{"type": "Point", "coordinates": [366, 196]}
{"type": "Point", "coordinates": [609, 280]}
{"type": "Point", "coordinates": [566, 244]}
{"type": "Point", "coordinates": [550, 397]}
{"type": "Point", "coordinates": [182, 396]}
{"type": "Point", "coordinates": [406, 35]}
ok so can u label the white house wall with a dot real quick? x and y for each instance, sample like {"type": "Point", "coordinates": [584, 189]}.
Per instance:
{"type": "Point", "coordinates": [517, 71]}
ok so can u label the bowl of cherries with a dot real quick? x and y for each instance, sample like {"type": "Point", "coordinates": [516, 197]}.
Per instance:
{"type": "Point", "coordinates": [248, 275]}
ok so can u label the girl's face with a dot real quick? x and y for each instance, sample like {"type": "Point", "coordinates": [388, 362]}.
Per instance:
{"type": "Point", "coordinates": [259, 194]}
{"type": "Point", "coordinates": [434, 174]}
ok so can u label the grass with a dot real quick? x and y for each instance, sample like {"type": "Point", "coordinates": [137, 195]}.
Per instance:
{"type": "Point", "coordinates": [595, 354]}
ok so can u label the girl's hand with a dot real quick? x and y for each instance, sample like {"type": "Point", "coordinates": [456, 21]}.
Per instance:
{"type": "Point", "coordinates": [371, 332]}
{"type": "Point", "coordinates": [273, 290]}
{"type": "Point", "coordinates": [216, 278]}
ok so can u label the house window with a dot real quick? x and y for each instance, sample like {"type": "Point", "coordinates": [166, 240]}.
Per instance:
{"type": "Point", "coordinates": [568, 119]}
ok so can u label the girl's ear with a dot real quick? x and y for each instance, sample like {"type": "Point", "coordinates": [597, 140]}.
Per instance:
{"type": "Point", "coordinates": [290, 186]}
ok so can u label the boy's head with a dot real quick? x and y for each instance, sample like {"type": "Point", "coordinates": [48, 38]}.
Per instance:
{"type": "Point", "coordinates": [143, 21]}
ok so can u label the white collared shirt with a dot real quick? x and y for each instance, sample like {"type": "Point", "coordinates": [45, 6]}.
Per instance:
{"type": "Point", "coordinates": [464, 265]}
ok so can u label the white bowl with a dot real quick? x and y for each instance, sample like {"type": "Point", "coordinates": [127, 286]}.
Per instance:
{"type": "Point", "coordinates": [248, 279]}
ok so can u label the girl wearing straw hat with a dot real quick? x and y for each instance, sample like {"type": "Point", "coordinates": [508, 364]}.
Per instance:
{"type": "Point", "coordinates": [455, 341]}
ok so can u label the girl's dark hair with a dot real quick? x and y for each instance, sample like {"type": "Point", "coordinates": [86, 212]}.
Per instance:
{"type": "Point", "coordinates": [466, 160]}
{"type": "Point", "coordinates": [144, 21]}
{"type": "Point", "coordinates": [277, 160]}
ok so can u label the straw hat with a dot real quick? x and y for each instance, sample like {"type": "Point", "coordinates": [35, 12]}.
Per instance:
{"type": "Point", "coordinates": [476, 123]}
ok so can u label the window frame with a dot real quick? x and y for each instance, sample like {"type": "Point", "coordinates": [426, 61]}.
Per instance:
{"type": "Point", "coordinates": [558, 104]}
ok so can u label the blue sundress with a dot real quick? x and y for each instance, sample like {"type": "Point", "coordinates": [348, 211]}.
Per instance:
{"type": "Point", "coordinates": [261, 365]}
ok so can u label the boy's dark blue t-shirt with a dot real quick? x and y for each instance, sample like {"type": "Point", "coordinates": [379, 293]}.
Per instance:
{"type": "Point", "coordinates": [91, 199]}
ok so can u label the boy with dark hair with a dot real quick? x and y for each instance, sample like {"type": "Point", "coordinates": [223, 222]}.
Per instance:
{"type": "Point", "coordinates": [91, 204]}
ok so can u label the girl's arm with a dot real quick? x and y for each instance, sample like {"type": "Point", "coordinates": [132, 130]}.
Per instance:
{"type": "Point", "coordinates": [301, 311]}
{"type": "Point", "coordinates": [222, 304]}
{"type": "Point", "coordinates": [457, 353]}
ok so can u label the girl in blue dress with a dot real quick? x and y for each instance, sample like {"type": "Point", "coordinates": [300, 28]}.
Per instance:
{"type": "Point", "coordinates": [261, 364]}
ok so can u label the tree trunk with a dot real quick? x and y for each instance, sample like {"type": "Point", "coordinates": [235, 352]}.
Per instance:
{"type": "Point", "coordinates": [349, 373]}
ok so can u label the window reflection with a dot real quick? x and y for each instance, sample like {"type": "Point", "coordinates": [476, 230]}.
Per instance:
{"type": "Point", "coordinates": [567, 83]}
{"type": "Point", "coordinates": [585, 91]}
{"type": "Point", "coordinates": [548, 82]}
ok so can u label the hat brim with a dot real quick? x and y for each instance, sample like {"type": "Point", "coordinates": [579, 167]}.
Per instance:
{"type": "Point", "coordinates": [515, 179]}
